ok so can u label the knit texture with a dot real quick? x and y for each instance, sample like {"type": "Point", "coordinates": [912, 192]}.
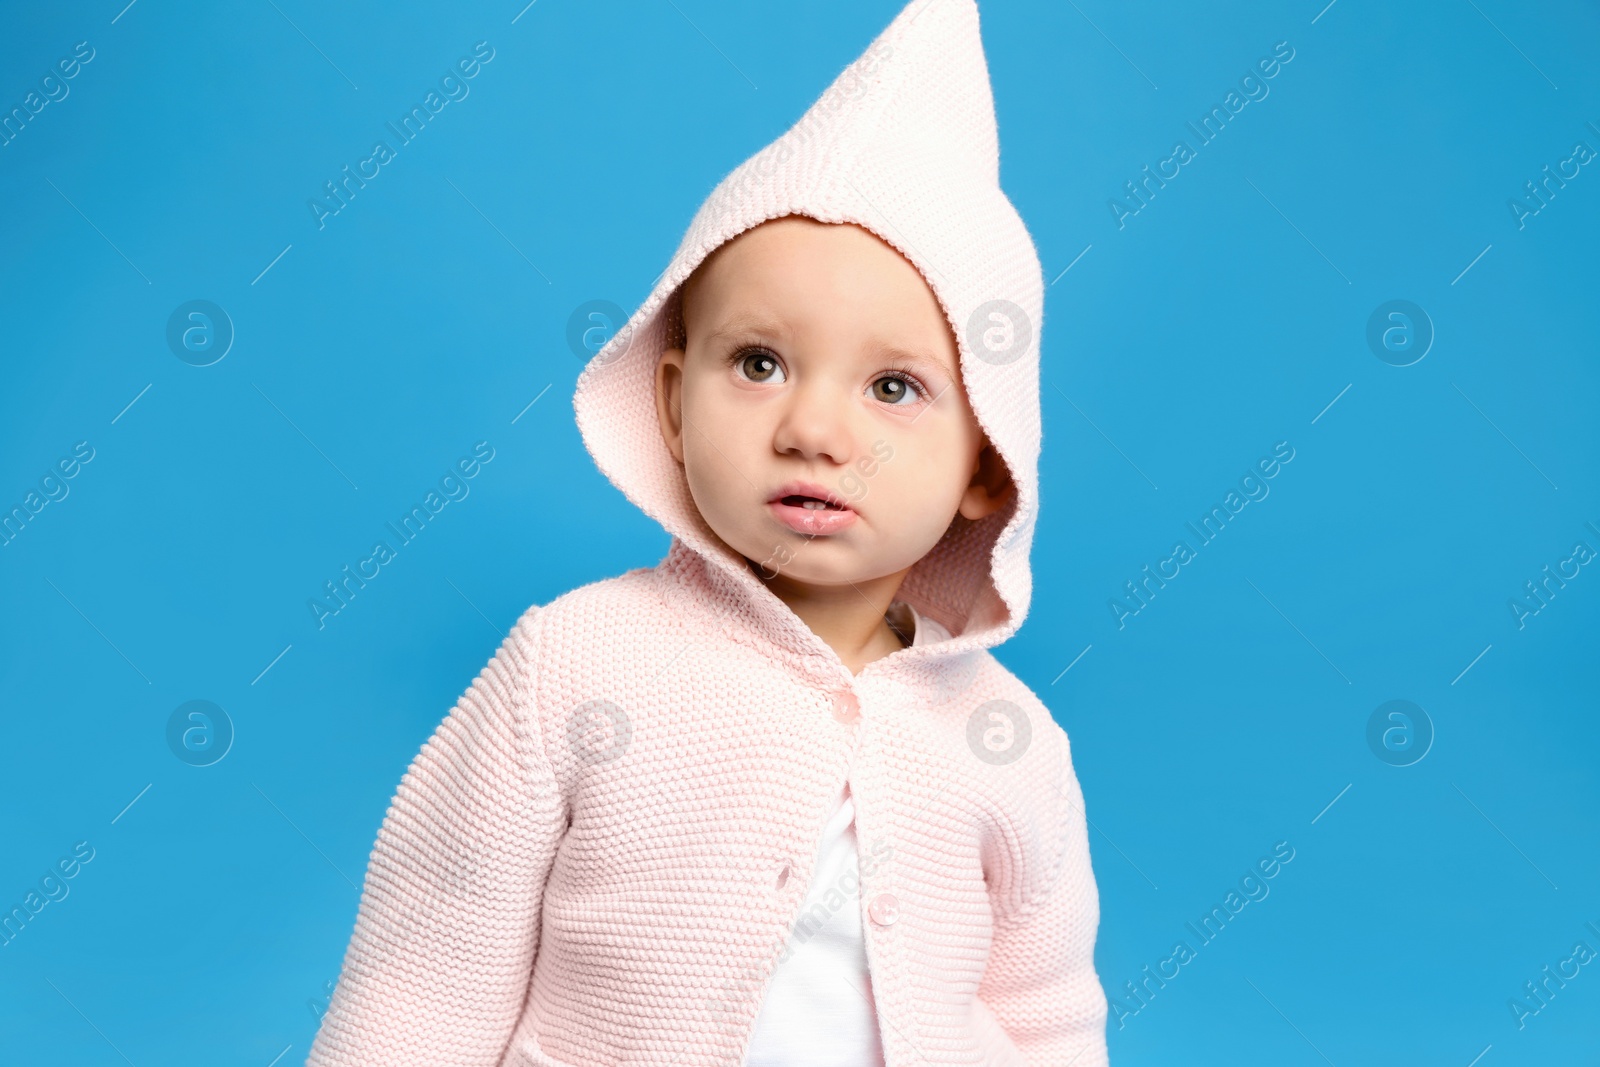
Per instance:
{"type": "Point", "coordinates": [600, 852]}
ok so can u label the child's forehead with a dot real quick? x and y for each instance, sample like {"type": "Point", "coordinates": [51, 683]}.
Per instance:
{"type": "Point", "coordinates": [801, 271]}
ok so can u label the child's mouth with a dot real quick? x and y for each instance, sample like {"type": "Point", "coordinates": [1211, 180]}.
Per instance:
{"type": "Point", "coordinates": [810, 509]}
{"type": "Point", "coordinates": [810, 502]}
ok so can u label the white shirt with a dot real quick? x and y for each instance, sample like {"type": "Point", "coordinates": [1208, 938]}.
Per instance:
{"type": "Point", "coordinates": [818, 1008]}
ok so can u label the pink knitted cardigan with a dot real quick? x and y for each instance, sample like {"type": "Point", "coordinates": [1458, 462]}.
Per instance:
{"type": "Point", "coordinates": [598, 856]}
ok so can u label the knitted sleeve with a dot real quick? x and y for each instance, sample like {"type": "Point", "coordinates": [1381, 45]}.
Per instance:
{"type": "Point", "coordinates": [1040, 980]}
{"type": "Point", "coordinates": [438, 966]}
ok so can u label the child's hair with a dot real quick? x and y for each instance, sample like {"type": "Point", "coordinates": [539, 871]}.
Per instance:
{"type": "Point", "coordinates": [677, 334]}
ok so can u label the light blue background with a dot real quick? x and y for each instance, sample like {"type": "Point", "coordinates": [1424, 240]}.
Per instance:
{"type": "Point", "coordinates": [1224, 317]}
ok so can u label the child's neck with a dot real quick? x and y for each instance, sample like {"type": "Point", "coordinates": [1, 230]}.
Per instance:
{"type": "Point", "coordinates": [848, 617]}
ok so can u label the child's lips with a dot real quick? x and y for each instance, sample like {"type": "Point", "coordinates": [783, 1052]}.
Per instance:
{"type": "Point", "coordinates": [815, 521]}
{"type": "Point", "coordinates": [809, 508]}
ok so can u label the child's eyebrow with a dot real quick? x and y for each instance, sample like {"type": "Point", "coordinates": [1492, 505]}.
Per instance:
{"type": "Point", "coordinates": [910, 360]}
{"type": "Point", "coordinates": [747, 324]}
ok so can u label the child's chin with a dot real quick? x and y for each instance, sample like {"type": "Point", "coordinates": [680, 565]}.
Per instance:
{"type": "Point", "coordinates": [821, 575]}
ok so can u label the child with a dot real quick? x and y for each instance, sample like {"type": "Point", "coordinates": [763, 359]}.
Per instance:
{"type": "Point", "coordinates": [773, 801]}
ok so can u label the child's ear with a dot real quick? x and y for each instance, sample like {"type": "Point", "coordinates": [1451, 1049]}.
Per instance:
{"type": "Point", "coordinates": [669, 400]}
{"type": "Point", "coordinates": [991, 485]}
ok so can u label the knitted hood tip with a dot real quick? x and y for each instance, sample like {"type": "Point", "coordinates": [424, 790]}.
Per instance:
{"type": "Point", "coordinates": [911, 124]}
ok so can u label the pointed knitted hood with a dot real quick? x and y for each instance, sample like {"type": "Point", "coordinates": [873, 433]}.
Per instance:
{"type": "Point", "coordinates": [904, 144]}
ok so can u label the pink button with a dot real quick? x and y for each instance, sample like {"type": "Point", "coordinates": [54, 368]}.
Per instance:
{"type": "Point", "coordinates": [846, 708]}
{"type": "Point", "coordinates": [884, 909]}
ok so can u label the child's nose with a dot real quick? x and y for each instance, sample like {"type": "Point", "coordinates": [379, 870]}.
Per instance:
{"type": "Point", "coordinates": [816, 423]}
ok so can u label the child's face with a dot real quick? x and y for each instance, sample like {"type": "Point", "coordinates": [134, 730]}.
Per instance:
{"type": "Point", "coordinates": [817, 353]}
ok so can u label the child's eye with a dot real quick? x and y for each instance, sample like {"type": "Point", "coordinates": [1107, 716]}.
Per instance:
{"type": "Point", "coordinates": [895, 386]}
{"type": "Point", "coordinates": [756, 365]}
